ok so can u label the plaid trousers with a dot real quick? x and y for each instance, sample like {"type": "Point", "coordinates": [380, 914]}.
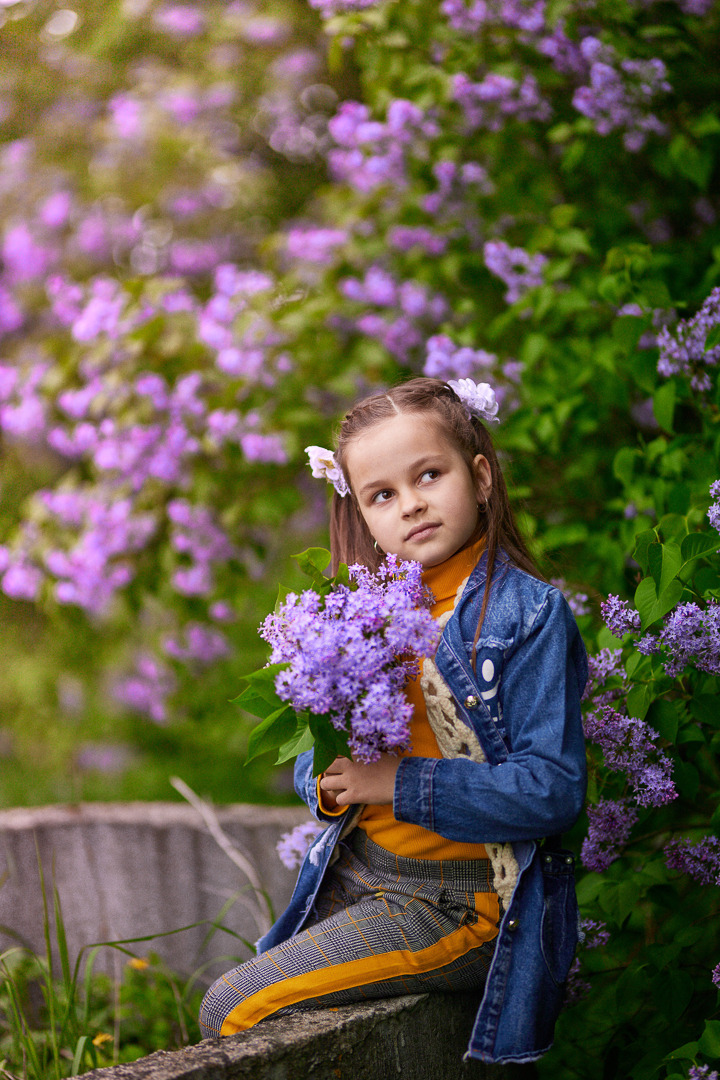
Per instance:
{"type": "Point", "coordinates": [385, 926]}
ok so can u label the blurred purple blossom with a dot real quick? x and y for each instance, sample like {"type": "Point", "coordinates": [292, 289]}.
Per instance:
{"type": "Point", "coordinates": [314, 245]}
{"type": "Point", "coordinates": [198, 646]}
{"type": "Point", "coordinates": [147, 689]}
{"type": "Point", "coordinates": [180, 20]}
{"type": "Point", "coordinates": [489, 104]}
{"type": "Point", "coordinates": [700, 860]}
{"type": "Point", "coordinates": [293, 846]}
{"type": "Point", "coordinates": [328, 8]}
{"type": "Point", "coordinates": [470, 18]}
{"type": "Point", "coordinates": [446, 360]}
{"type": "Point", "coordinates": [371, 152]}
{"type": "Point", "coordinates": [577, 601]}
{"type": "Point", "coordinates": [265, 448]}
{"type": "Point", "coordinates": [610, 825]}
{"type": "Point", "coordinates": [682, 350]}
{"type": "Point", "coordinates": [714, 509]}
{"type": "Point", "coordinates": [518, 269]}
{"type": "Point", "coordinates": [620, 93]}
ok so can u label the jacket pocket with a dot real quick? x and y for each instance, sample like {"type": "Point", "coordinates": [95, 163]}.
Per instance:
{"type": "Point", "coordinates": [558, 931]}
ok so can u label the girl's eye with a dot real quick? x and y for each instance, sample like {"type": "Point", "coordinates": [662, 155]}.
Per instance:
{"type": "Point", "coordinates": [430, 474]}
{"type": "Point", "coordinates": [382, 496]}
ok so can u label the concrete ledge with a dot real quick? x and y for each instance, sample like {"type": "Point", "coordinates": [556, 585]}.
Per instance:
{"type": "Point", "coordinates": [422, 1037]}
{"type": "Point", "coordinates": [125, 870]}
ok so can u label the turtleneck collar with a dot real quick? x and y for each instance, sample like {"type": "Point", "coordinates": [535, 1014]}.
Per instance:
{"type": "Point", "coordinates": [445, 578]}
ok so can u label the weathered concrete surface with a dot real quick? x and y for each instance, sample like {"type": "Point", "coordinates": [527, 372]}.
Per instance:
{"type": "Point", "coordinates": [411, 1038]}
{"type": "Point", "coordinates": [126, 870]}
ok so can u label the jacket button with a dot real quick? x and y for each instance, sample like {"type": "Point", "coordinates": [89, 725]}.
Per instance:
{"type": "Point", "coordinates": [472, 701]}
{"type": "Point", "coordinates": [513, 924]}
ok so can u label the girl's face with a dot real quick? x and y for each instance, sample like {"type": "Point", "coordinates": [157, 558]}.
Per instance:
{"type": "Point", "coordinates": [416, 493]}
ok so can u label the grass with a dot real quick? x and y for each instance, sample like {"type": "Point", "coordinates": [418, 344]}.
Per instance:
{"type": "Point", "coordinates": [59, 1019]}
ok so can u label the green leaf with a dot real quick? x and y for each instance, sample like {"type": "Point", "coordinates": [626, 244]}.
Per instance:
{"type": "Point", "coordinates": [688, 1051]}
{"type": "Point", "coordinates": [329, 742]}
{"type": "Point", "coordinates": [313, 561]}
{"type": "Point", "coordinates": [672, 994]}
{"type": "Point", "coordinates": [639, 700]}
{"type": "Point", "coordinates": [663, 717]}
{"type": "Point", "coordinates": [301, 741]}
{"type": "Point", "coordinates": [624, 464]}
{"type": "Point", "coordinates": [664, 562]}
{"type": "Point", "coordinates": [709, 1043]}
{"type": "Point", "coordinates": [265, 676]}
{"type": "Point", "coordinates": [257, 703]}
{"type": "Point", "coordinates": [704, 708]}
{"type": "Point", "coordinates": [618, 899]}
{"type": "Point", "coordinates": [691, 162]}
{"type": "Point", "coordinates": [664, 405]}
{"type": "Point", "coordinates": [643, 541]}
{"type": "Point", "coordinates": [653, 607]}
{"type": "Point", "coordinates": [712, 337]}
{"type": "Point", "coordinates": [696, 545]}
{"type": "Point", "coordinates": [686, 778]}
{"type": "Point", "coordinates": [628, 329]}
{"type": "Point", "coordinates": [272, 732]}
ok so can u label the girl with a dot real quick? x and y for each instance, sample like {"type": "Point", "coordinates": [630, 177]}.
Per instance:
{"type": "Point", "coordinates": [440, 868]}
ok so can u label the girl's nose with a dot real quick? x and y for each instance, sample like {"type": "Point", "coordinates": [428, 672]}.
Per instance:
{"type": "Point", "coordinates": [411, 501]}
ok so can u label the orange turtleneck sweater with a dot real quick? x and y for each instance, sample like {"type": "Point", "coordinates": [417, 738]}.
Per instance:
{"type": "Point", "coordinates": [378, 821]}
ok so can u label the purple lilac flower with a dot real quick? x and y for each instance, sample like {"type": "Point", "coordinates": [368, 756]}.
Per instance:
{"type": "Point", "coordinates": [489, 104]}
{"type": "Point", "coordinates": [314, 245]}
{"type": "Point", "coordinates": [349, 653]}
{"type": "Point", "coordinates": [596, 933]}
{"type": "Point", "coordinates": [610, 825]}
{"type": "Point", "coordinates": [199, 645]}
{"type": "Point", "coordinates": [576, 988]}
{"type": "Point", "coordinates": [406, 237]}
{"type": "Point", "coordinates": [700, 860]}
{"type": "Point", "coordinates": [716, 975]}
{"type": "Point", "coordinates": [618, 616]}
{"type": "Point", "coordinates": [578, 602]}
{"type": "Point", "coordinates": [127, 116]}
{"type": "Point", "coordinates": [147, 689]}
{"type": "Point", "coordinates": [22, 580]}
{"type": "Point", "coordinates": [702, 1072]}
{"type": "Point", "coordinates": [55, 210]}
{"type": "Point", "coordinates": [620, 93]}
{"type": "Point", "coordinates": [691, 635]}
{"type": "Point", "coordinates": [292, 847]}
{"type": "Point", "coordinates": [24, 258]}
{"type": "Point", "coordinates": [371, 153]}
{"type": "Point", "coordinates": [453, 184]}
{"type": "Point", "coordinates": [528, 15]}
{"type": "Point", "coordinates": [517, 268]}
{"type": "Point", "coordinates": [446, 360]}
{"type": "Point", "coordinates": [714, 510]}
{"type": "Point", "coordinates": [265, 448]}
{"type": "Point", "coordinates": [682, 351]}
{"type": "Point", "coordinates": [180, 20]}
{"type": "Point", "coordinates": [629, 746]}
{"type": "Point", "coordinates": [11, 316]}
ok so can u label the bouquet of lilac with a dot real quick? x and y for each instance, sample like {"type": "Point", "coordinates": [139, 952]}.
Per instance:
{"type": "Point", "coordinates": [341, 653]}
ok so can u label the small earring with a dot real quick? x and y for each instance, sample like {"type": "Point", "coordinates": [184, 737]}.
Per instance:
{"type": "Point", "coordinates": [379, 550]}
{"type": "Point", "coordinates": [482, 507]}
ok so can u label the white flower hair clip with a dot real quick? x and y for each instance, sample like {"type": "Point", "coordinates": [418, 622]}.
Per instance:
{"type": "Point", "coordinates": [324, 465]}
{"type": "Point", "coordinates": [478, 398]}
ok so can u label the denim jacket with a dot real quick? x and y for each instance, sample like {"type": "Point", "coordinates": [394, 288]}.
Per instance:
{"type": "Point", "coordinates": [524, 706]}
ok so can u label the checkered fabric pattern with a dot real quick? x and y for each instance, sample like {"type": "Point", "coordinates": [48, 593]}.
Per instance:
{"type": "Point", "coordinates": [386, 926]}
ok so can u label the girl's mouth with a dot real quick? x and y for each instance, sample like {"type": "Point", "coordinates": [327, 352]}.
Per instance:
{"type": "Point", "coordinates": [422, 532]}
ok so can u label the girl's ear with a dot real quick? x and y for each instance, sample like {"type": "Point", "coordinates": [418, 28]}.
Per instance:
{"type": "Point", "coordinates": [483, 477]}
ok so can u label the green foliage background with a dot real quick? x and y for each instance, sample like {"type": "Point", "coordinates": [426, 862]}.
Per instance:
{"type": "Point", "coordinates": [609, 463]}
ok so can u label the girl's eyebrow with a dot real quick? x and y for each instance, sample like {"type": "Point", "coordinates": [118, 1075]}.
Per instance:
{"type": "Point", "coordinates": [427, 459]}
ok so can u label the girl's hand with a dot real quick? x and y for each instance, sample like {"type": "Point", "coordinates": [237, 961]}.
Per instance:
{"type": "Point", "coordinates": [345, 781]}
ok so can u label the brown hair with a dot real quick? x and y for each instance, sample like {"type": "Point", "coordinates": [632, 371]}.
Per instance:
{"type": "Point", "coordinates": [350, 539]}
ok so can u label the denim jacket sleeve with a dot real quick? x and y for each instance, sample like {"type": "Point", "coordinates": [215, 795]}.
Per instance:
{"type": "Point", "coordinates": [533, 781]}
